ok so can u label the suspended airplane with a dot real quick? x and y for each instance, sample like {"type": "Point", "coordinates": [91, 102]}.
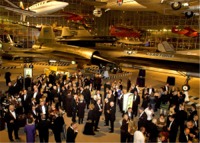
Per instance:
{"type": "Point", "coordinates": [42, 8]}
{"type": "Point", "coordinates": [120, 31]}
{"type": "Point", "coordinates": [167, 7]}
{"type": "Point", "coordinates": [187, 31]}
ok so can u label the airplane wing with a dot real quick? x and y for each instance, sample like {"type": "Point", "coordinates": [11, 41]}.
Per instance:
{"type": "Point", "coordinates": [19, 10]}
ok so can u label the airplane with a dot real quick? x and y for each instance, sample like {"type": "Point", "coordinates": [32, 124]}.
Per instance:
{"type": "Point", "coordinates": [47, 48]}
{"type": "Point", "coordinates": [85, 20]}
{"type": "Point", "coordinates": [120, 31]}
{"type": "Point", "coordinates": [42, 8]}
{"type": "Point", "coordinates": [167, 58]}
{"type": "Point", "coordinates": [82, 37]}
{"type": "Point", "coordinates": [187, 31]}
{"type": "Point", "coordinates": [178, 7]}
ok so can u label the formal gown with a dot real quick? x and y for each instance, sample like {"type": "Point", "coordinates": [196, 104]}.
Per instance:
{"type": "Point", "coordinates": [29, 129]}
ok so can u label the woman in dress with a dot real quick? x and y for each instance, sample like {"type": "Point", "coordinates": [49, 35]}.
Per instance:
{"type": "Point", "coordinates": [88, 129]}
{"type": "Point", "coordinates": [81, 109]}
{"type": "Point", "coordinates": [161, 122]}
{"type": "Point", "coordinates": [29, 129]}
{"type": "Point", "coordinates": [124, 128]}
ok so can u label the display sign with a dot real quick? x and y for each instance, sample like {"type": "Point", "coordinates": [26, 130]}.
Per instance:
{"type": "Point", "coordinates": [28, 72]}
{"type": "Point", "coordinates": [127, 101]}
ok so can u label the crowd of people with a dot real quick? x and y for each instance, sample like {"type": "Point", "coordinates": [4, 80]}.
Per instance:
{"type": "Point", "coordinates": [45, 101]}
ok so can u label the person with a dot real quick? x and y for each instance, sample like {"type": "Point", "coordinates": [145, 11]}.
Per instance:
{"type": "Point", "coordinates": [172, 128]}
{"type": "Point", "coordinates": [130, 113]}
{"type": "Point", "coordinates": [11, 119]}
{"type": "Point", "coordinates": [193, 112]}
{"type": "Point", "coordinates": [124, 128]}
{"type": "Point", "coordinates": [43, 129]}
{"type": "Point", "coordinates": [97, 113]}
{"type": "Point", "coordinates": [72, 132]}
{"type": "Point", "coordinates": [139, 135]}
{"type": "Point", "coordinates": [142, 121]}
{"type": "Point", "coordinates": [74, 107]}
{"type": "Point", "coordinates": [161, 122]}
{"type": "Point", "coordinates": [185, 137]}
{"type": "Point", "coordinates": [106, 112]}
{"type": "Point", "coordinates": [7, 77]}
{"type": "Point", "coordinates": [81, 109]}
{"type": "Point", "coordinates": [112, 116]}
{"type": "Point", "coordinates": [136, 102]}
{"type": "Point", "coordinates": [153, 131]}
{"type": "Point", "coordinates": [131, 130]}
{"type": "Point", "coordinates": [29, 129]}
{"type": "Point", "coordinates": [88, 129]}
{"type": "Point", "coordinates": [181, 117]}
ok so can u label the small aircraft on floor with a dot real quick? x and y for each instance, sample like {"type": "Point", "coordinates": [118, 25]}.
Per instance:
{"type": "Point", "coordinates": [42, 8]}
{"type": "Point", "coordinates": [47, 48]}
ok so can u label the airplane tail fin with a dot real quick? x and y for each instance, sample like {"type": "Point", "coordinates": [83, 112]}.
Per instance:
{"type": "Point", "coordinates": [82, 32]}
{"type": "Point", "coordinates": [165, 47]}
{"type": "Point", "coordinates": [21, 5]}
{"type": "Point", "coordinates": [46, 35]}
{"type": "Point", "coordinates": [10, 39]}
{"type": "Point", "coordinates": [66, 32]}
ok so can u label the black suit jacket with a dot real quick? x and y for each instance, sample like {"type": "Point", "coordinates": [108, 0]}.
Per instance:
{"type": "Point", "coordinates": [43, 127]}
{"type": "Point", "coordinates": [142, 120]}
{"type": "Point", "coordinates": [137, 101]}
{"type": "Point", "coordinates": [112, 113]}
{"type": "Point", "coordinates": [71, 135]}
{"type": "Point", "coordinates": [8, 117]}
{"type": "Point", "coordinates": [131, 115]}
{"type": "Point", "coordinates": [174, 129]}
{"type": "Point", "coordinates": [152, 90]}
{"type": "Point", "coordinates": [96, 110]}
{"type": "Point", "coordinates": [183, 138]}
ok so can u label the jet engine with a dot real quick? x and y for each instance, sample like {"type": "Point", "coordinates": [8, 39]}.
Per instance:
{"type": "Point", "coordinates": [189, 14]}
{"type": "Point", "coordinates": [176, 5]}
{"type": "Point", "coordinates": [97, 12]}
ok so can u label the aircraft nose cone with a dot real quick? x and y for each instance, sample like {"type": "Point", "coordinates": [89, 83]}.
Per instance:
{"type": "Point", "coordinates": [64, 4]}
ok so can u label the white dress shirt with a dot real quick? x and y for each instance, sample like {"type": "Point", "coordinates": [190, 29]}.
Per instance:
{"type": "Point", "coordinates": [13, 114]}
{"type": "Point", "coordinates": [139, 137]}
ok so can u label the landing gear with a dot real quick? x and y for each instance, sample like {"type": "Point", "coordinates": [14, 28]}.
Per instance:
{"type": "Point", "coordinates": [176, 5]}
{"type": "Point", "coordinates": [186, 86]}
{"type": "Point", "coordinates": [189, 14]}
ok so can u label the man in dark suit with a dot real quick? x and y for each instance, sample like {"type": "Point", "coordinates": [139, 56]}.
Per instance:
{"type": "Point", "coordinates": [72, 132]}
{"type": "Point", "coordinates": [142, 121]}
{"type": "Point", "coordinates": [43, 128]}
{"type": "Point", "coordinates": [26, 101]}
{"type": "Point", "coordinates": [128, 84]}
{"type": "Point", "coordinates": [136, 102]}
{"type": "Point", "coordinates": [184, 136]}
{"type": "Point", "coordinates": [42, 108]}
{"type": "Point", "coordinates": [112, 116]}
{"type": "Point", "coordinates": [130, 113]}
{"type": "Point", "coordinates": [181, 117]}
{"type": "Point", "coordinates": [7, 77]}
{"type": "Point", "coordinates": [106, 111]}
{"type": "Point", "coordinates": [11, 119]}
{"type": "Point", "coordinates": [37, 95]}
{"type": "Point", "coordinates": [87, 95]}
{"type": "Point", "coordinates": [150, 90]}
{"type": "Point", "coordinates": [97, 113]}
{"type": "Point", "coordinates": [172, 129]}
{"type": "Point", "coordinates": [74, 108]}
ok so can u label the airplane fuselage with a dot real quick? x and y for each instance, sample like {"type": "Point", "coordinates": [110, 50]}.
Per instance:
{"type": "Point", "coordinates": [47, 7]}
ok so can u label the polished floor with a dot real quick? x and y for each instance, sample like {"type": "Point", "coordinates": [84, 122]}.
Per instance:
{"type": "Point", "coordinates": [154, 78]}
